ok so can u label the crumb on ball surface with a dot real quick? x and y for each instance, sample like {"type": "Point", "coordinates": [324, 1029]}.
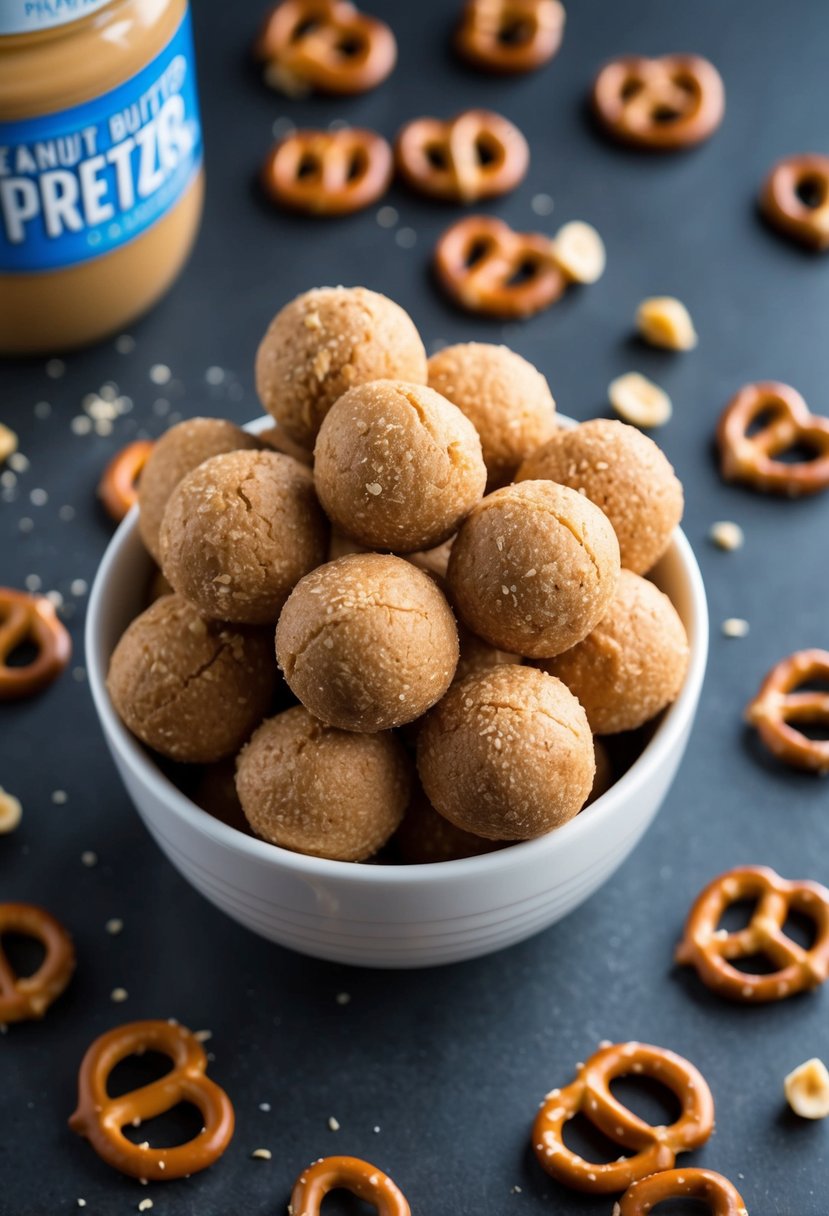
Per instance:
{"type": "Point", "coordinates": [239, 532]}
{"type": "Point", "coordinates": [397, 466]}
{"type": "Point", "coordinates": [507, 754]}
{"type": "Point", "coordinates": [174, 455]}
{"type": "Point", "coordinates": [624, 473]}
{"type": "Point", "coordinates": [367, 642]}
{"type": "Point", "coordinates": [322, 791]}
{"type": "Point", "coordinates": [193, 690]}
{"type": "Point", "coordinates": [533, 568]}
{"type": "Point", "coordinates": [425, 836]}
{"type": "Point", "coordinates": [507, 400]}
{"type": "Point", "coordinates": [327, 341]}
{"type": "Point", "coordinates": [633, 664]}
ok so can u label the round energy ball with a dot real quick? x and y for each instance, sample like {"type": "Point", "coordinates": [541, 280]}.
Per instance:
{"type": "Point", "coordinates": [623, 472]}
{"type": "Point", "coordinates": [317, 790]}
{"type": "Point", "coordinates": [397, 466]}
{"type": "Point", "coordinates": [424, 836]}
{"type": "Point", "coordinates": [239, 532]}
{"type": "Point", "coordinates": [633, 663]}
{"type": "Point", "coordinates": [507, 754]}
{"type": "Point", "coordinates": [191, 689]}
{"type": "Point", "coordinates": [177, 453]}
{"type": "Point", "coordinates": [325, 342]}
{"type": "Point", "coordinates": [367, 642]}
{"type": "Point", "coordinates": [533, 568]}
{"type": "Point", "coordinates": [507, 400]}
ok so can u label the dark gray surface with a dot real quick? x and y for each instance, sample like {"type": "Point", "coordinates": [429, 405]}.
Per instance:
{"type": "Point", "coordinates": [450, 1064]}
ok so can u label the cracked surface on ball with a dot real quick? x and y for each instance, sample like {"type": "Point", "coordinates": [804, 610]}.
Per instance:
{"type": "Point", "coordinates": [397, 466]}
{"type": "Point", "coordinates": [367, 642]}
{"type": "Point", "coordinates": [325, 342]}
{"type": "Point", "coordinates": [319, 790]}
{"type": "Point", "coordinates": [507, 754]}
{"type": "Point", "coordinates": [533, 568]}
{"type": "Point", "coordinates": [239, 532]}
{"type": "Point", "coordinates": [191, 689]}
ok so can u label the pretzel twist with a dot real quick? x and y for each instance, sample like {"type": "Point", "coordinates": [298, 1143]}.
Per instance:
{"type": "Point", "coordinates": [328, 172]}
{"type": "Point", "coordinates": [474, 156]}
{"type": "Point", "coordinates": [711, 950]}
{"type": "Point", "coordinates": [778, 705]}
{"type": "Point", "coordinates": [721, 1196]}
{"type": "Point", "coordinates": [324, 44]}
{"type": "Point", "coordinates": [487, 268]}
{"type": "Point", "coordinates": [510, 35]}
{"type": "Point", "coordinates": [653, 1148]}
{"type": "Point", "coordinates": [100, 1118]}
{"type": "Point", "coordinates": [777, 418]}
{"type": "Point", "coordinates": [26, 998]}
{"type": "Point", "coordinates": [351, 1174]}
{"type": "Point", "coordinates": [663, 104]}
{"type": "Point", "coordinates": [783, 203]}
{"type": "Point", "coordinates": [28, 618]}
{"type": "Point", "coordinates": [118, 487]}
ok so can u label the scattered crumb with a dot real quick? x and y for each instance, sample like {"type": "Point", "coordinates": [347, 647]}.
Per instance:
{"type": "Point", "coordinates": [343, 998]}
{"type": "Point", "coordinates": [11, 812]}
{"type": "Point", "coordinates": [333, 1124]}
{"type": "Point", "coordinates": [8, 442]}
{"type": "Point", "coordinates": [376, 1131]}
{"type": "Point", "coordinates": [160, 373]}
{"type": "Point", "coordinates": [387, 217]}
{"type": "Point", "coordinates": [26, 524]}
{"type": "Point", "coordinates": [118, 995]}
{"type": "Point", "coordinates": [125, 344]}
{"type": "Point", "coordinates": [282, 127]}
{"type": "Point", "coordinates": [202, 1036]}
{"type": "Point", "coordinates": [18, 462]}
{"type": "Point", "coordinates": [59, 797]}
{"type": "Point", "coordinates": [807, 1089]}
{"type": "Point", "coordinates": [81, 1203]}
{"type": "Point", "coordinates": [542, 204]}
{"type": "Point", "coordinates": [515, 1190]}
{"type": "Point", "coordinates": [639, 401]}
{"type": "Point", "coordinates": [727, 535]}
{"type": "Point", "coordinates": [145, 1205]}
{"type": "Point", "coordinates": [66, 514]}
{"type": "Point", "coordinates": [735, 627]}
{"type": "Point", "coordinates": [265, 1106]}
{"type": "Point", "coordinates": [665, 322]}
{"type": "Point", "coordinates": [406, 238]}
{"type": "Point", "coordinates": [262, 1154]}
{"type": "Point", "coordinates": [89, 858]}
{"type": "Point", "coordinates": [55, 368]}
{"type": "Point", "coordinates": [114, 926]}
{"type": "Point", "coordinates": [78, 586]}
{"type": "Point", "coordinates": [215, 375]}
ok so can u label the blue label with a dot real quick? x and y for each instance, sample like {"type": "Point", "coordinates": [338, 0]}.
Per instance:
{"type": "Point", "coordinates": [81, 182]}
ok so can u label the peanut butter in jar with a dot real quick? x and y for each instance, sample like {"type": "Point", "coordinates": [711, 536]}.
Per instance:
{"type": "Point", "coordinates": [101, 179]}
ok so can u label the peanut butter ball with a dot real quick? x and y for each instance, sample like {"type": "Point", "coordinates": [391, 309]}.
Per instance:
{"type": "Point", "coordinates": [424, 836]}
{"type": "Point", "coordinates": [533, 568]}
{"type": "Point", "coordinates": [397, 466]}
{"type": "Point", "coordinates": [191, 689]}
{"type": "Point", "coordinates": [507, 754]}
{"type": "Point", "coordinates": [325, 342]}
{"type": "Point", "coordinates": [239, 532]}
{"type": "Point", "coordinates": [367, 642]}
{"type": "Point", "coordinates": [322, 791]}
{"type": "Point", "coordinates": [177, 453]}
{"type": "Point", "coordinates": [623, 472]}
{"type": "Point", "coordinates": [507, 400]}
{"type": "Point", "coordinates": [633, 663]}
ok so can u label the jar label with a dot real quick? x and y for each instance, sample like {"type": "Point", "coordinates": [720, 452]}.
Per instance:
{"type": "Point", "coordinates": [29, 16]}
{"type": "Point", "coordinates": [81, 182]}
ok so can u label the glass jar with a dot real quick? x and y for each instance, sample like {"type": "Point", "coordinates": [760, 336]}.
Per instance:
{"type": "Point", "coordinates": [101, 181]}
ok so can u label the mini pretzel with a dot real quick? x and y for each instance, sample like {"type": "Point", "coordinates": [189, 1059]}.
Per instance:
{"type": "Point", "coordinates": [510, 35]}
{"type": "Point", "coordinates": [721, 1196]}
{"type": "Point", "coordinates": [328, 172]}
{"type": "Point", "coordinates": [474, 156]}
{"type": "Point", "coordinates": [101, 1118]}
{"type": "Point", "coordinates": [22, 999]}
{"type": "Point", "coordinates": [710, 950]}
{"type": "Point", "coordinates": [350, 1174]}
{"type": "Point", "coordinates": [653, 1148]}
{"type": "Point", "coordinates": [325, 44]}
{"type": "Point", "coordinates": [661, 104]}
{"type": "Point", "coordinates": [782, 419]}
{"type": "Point", "coordinates": [29, 618]}
{"type": "Point", "coordinates": [117, 488]}
{"type": "Point", "coordinates": [487, 268]}
{"type": "Point", "coordinates": [778, 704]}
{"type": "Point", "coordinates": [795, 199]}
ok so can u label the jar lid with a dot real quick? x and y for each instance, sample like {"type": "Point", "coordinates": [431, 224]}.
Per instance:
{"type": "Point", "coordinates": [31, 16]}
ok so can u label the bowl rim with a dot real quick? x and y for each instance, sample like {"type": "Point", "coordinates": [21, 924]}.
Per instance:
{"type": "Point", "coordinates": [141, 765]}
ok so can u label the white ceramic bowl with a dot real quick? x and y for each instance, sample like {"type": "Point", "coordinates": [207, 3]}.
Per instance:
{"type": "Point", "coordinates": [392, 916]}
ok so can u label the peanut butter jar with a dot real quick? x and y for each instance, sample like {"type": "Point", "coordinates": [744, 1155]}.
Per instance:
{"type": "Point", "coordinates": [101, 179]}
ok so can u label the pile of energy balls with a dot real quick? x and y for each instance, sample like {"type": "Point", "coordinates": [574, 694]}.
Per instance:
{"type": "Point", "coordinates": [454, 580]}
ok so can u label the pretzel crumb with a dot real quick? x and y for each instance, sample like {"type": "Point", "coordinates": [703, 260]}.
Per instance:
{"type": "Point", "coordinates": [89, 858]}
{"type": "Point", "coordinates": [145, 1205]}
{"type": "Point", "coordinates": [265, 1106]}
{"type": "Point", "coordinates": [735, 627]}
{"type": "Point", "coordinates": [8, 442]}
{"type": "Point", "coordinates": [579, 251]}
{"type": "Point", "coordinates": [727, 535]}
{"type": "Point", "coordinates": [515, 1190]}
{"type": "Point", "coordinates": [665, 321]}
{"type": "Point", "coordinates": [202, 1036]}
{"type": "Point", "coordinates": [639, 401]}
{"type": "Point", "coordinates": [81, 1203]}
{"type": "Point", "coordinates": [262, 1154]}
{"type": "Point", "coordinates": [807, 1089]}
{"type": "Point", "coordinates": [333, 1124]}
{"type": "Point", "coordinates": [11, 812]}
{"type": "Point", "coordinates": [114, 925]}
{"type": "Point", "coordinates": [118, 995]}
